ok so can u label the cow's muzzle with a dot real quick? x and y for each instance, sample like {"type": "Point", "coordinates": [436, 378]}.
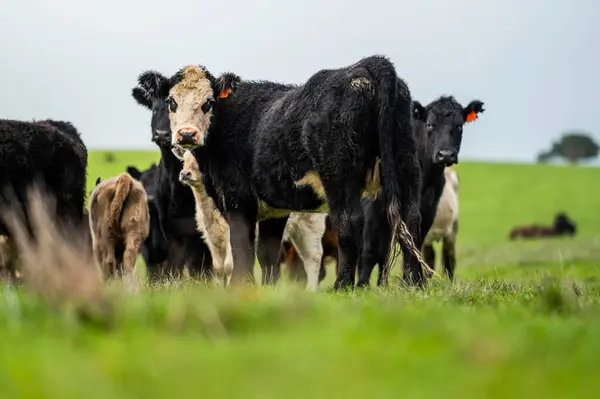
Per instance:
{"type": "Point", "coordinates": [185, 176]}
{"type": "Point", "coordinates": [188, 137]}
{"type": "Point", "coordinates": [162, 137]}
{"type": "Point", "coordinates": [446, 157]}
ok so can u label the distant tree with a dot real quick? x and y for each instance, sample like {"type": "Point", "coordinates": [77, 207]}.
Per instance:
{"type": "Point", "coordinates": [109, 157]}
{"type": "Point", "coordinates": [572, 146]}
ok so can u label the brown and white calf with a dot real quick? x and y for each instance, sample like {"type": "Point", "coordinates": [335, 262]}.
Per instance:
{"type": "Point", "coordinates": [209, 221]}
{"type": "Point", "coordinates": [305, 232]}
{"type": "Point", "coordinates": [290, 256]}
{"type": "Point", "coordinates": [445, 225]}
{"type": "Point", "coordinates": [119, 223]}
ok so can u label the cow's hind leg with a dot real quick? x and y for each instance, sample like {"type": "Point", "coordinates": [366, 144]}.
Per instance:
{"type": "Point", "coordinates": [306, 235]}
{"type": "Point", "coordinates": [429, 255]}
{"type": "Point", "coordinates": [411, 217]}
{"type": "Point", "coordinates": [367, 263]}
{"type": "Point", "coordinates": [109, 263]}
{"type": "Point", "coordinates": [449, 252]}
{"type": "Point", "coordinates": [347, 218]}
{"type": "Point", "coordinates": [449, 257]}
{"type": "Point", "coordinates": [132, 247]}
{"type": "Point", "coordinates": [384, 265]}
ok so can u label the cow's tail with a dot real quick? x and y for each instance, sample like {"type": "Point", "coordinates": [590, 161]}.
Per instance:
{"type": "Point", "coordinates": [394, 129]}
{"type": "Point", "coordinates": [122, 188]}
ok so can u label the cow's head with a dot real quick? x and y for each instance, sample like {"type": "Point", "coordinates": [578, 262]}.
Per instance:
{"type": "Point", "coordinates": [564, 225]}
{"type": "Point", "coordinates": [193, 99]}
{"type": "Point", "coordinates": [146, 177]}
{"type": "Point", "coordinates": [439, 127]}
{"type": "Point", "coordinates": [151, 92]}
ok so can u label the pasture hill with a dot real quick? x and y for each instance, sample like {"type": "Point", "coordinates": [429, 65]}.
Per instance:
{"type": "Point", "coordinates": [521, 319]}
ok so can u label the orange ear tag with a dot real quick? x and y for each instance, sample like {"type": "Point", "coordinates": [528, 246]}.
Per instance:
{"type": "Point", "coordinates": [225, 93]}
{"type": "Point", "coordinates": [471, 116]}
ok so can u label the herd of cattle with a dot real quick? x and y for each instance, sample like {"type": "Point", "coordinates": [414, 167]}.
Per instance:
{"type": "Point", "coordinates": [345, 165]}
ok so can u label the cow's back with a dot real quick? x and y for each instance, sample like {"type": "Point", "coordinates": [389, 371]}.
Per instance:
{"type": "Point", "coordinates": [135, 216]}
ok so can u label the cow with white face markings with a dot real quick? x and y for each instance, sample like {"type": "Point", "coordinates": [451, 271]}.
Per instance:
{"type": "Point", "coordinates": [173, 204]}
{"type": "Point", "coordinates": [269, 149]}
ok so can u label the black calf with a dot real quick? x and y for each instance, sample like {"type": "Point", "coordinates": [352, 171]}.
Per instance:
{"type": "Point", "coordinates": [438, 131]}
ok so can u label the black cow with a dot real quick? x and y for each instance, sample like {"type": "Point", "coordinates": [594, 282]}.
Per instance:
{"type": "Point", "coordinates": [438, 131]}
{"type": "Point", "coordinates": [155, 250]}
{"type": "Point", "coordinates": [563, 225]}
{"type": "Point", "coordinates": [268, 149]}
{"type": "Point", "coordinates": [174, 202]}
{"type": "Point", "coordinates": [150, 84]}
{"type": "Point", "coordinates": [49, 152]}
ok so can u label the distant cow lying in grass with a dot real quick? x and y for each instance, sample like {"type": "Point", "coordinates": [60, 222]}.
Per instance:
{"type": "Point", "coordinates": [119, 223]}
{"type": "Point", "coordinates": [562, 226]}
{"type": "Point", "coordinates": [210, 222]}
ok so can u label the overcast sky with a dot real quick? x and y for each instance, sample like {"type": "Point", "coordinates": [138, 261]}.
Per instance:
{"type": "Point", "coordinates": [535, 63]}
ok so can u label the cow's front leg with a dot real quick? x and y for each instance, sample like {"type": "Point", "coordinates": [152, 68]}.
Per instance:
{"type": "Point", "coordinates": [242, 234]}
{"type": "Point", "coordinates": [270, 233]}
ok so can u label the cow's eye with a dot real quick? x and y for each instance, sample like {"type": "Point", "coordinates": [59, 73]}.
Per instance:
{"type": "Point", "coordinates": [171, 104]}
{"type": "Point", "coordinates": [207, 106]}
{"type": "Point", "coordinates": [429, 126]}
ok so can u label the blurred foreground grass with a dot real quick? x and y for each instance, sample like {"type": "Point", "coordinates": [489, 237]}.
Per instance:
{"type": "Point", "coordinates": [522, 319]}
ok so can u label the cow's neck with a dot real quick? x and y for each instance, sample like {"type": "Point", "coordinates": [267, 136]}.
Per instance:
{"type": "Point", "coordinates": [170, 161]}
{"type": "Point", "coordinates": [430, 172]}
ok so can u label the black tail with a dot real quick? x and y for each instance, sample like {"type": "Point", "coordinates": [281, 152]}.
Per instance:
{"type": "Point", "coordinates": [400, 171]}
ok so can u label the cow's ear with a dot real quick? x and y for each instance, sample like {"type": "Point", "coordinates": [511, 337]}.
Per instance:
{"type": "Point", "coordinates": [141, 96]}
{"type": "Point", "coordinates": [98, 180]}
{"type": "Point", "coordinates": [134, 172]}
{"type": "Point", "coordinates": [178, 151]}
{"type": "Point", "coordinates": [472, 111]}
{"type": "Point", "coordinates": [418, 111]}
{"type": "Point", "coordinates": [226, 84]}
{"type": "Point", "coordinates": [154, 83]}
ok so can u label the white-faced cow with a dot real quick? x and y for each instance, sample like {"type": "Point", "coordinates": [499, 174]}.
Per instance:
{"type": "Point", "coordinates": [209, 221]}
{"type": "Point", "coordinates": [151, 92]}
{"type": "Point", "coordinates": [438, 129]}
{"type": "Point", "coordinates": [174, 202]}
{"type": "Point", "coordinates": [269, 149]}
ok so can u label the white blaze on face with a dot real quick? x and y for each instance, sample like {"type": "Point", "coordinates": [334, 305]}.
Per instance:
{"type": "Point", "coordinates": [191, 113]}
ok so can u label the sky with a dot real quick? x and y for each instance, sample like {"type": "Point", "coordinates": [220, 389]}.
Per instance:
{"type": "Point", "coordinates": [534, 63]}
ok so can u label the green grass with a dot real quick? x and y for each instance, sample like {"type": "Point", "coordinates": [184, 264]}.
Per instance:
{"type": "Point", "coordinates": [522, 319]}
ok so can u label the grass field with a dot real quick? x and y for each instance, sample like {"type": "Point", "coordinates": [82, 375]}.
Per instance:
{"type": "Point", "coordinates": [522, 319]}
